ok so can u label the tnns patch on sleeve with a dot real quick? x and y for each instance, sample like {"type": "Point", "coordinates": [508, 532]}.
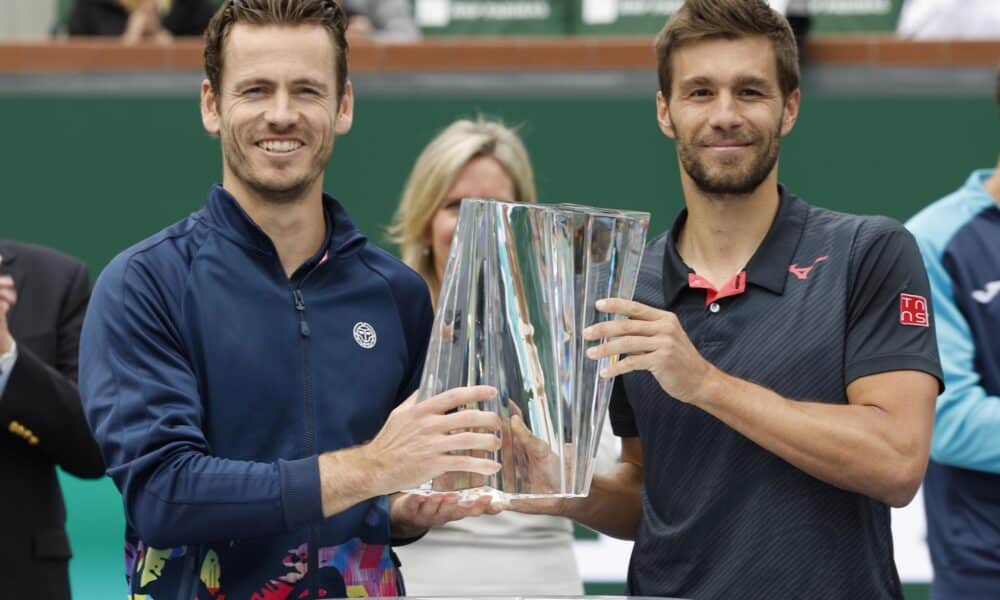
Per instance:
{"type": "Point", "coordinates": [913, 310]}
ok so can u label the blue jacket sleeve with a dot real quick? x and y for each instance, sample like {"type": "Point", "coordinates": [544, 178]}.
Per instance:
{"type": "Point", "coordinates": [967, 420]}
{"type": "Point", "coordinates": [142, 401]}
{"type": "Point", "coordinates": [418, 332]}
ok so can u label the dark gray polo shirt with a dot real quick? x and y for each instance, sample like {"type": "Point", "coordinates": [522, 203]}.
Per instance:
{"type": "Point", "coordinates": [827, 298]}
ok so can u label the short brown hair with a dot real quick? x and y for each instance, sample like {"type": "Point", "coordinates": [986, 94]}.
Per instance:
{"type": "Point", "coordinates": [275, 12]}
{"type": "Point", "coordinates": [729, 19]}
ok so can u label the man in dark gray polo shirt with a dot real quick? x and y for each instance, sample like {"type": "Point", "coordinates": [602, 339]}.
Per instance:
{"type": "Point", "coordinates": [776, 389]}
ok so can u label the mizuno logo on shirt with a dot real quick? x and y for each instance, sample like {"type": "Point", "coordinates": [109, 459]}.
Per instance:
{"type": "Point", "coordinates": [988, 293]}
{"type": "Point", "coordinates": [803, 272]}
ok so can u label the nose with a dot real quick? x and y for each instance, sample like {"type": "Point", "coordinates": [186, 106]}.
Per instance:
{"type": "Point", "coordinates": [281, 114]}
{"type": "Point", "coordinates": [725, 112]}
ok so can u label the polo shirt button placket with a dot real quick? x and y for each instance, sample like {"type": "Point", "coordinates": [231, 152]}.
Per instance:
{"type": "Point", "coordinates": [714, 307]}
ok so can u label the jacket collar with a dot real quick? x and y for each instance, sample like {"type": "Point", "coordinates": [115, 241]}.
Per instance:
{"type": "Point", "coordinates": [223, 211]}
{"type": "Point", "coordinates": [768, 267]}
{"type": "Point", "coordinates": [976, 183]}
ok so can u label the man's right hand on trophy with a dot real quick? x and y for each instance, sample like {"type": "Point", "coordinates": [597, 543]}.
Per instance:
{"type": "Point", "coordinates": [419, 441]}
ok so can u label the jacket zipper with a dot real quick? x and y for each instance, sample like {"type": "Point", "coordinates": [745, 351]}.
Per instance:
{"type": "Point", "coordinates": [300, 306]}
{"type": "Point", "coordinates": [310, 438]}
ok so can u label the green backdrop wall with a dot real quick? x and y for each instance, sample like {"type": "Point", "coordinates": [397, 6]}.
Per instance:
{"type": "Point", "coordinates": [92, 175]}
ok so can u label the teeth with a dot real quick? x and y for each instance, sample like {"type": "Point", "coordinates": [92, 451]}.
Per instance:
{"type": "Point", "coordinates": [280, 145]}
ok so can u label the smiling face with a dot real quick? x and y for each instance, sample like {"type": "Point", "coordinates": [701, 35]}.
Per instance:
{"type": "Point", "coordinates": [276, 110]}
{"type": "Point", "coordinates": [482, 177]}
{"type": "Point", "coordinates": [726, 113]}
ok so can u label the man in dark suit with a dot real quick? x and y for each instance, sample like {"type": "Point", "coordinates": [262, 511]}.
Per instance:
{"type": "Point", "coordinates": [43, 295]}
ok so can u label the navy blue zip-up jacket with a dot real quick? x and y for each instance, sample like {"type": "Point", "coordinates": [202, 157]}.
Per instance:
{"type": "Point", "coordinates": [212, 382]}
{"type": "Point", "coordinates": [959, 238]}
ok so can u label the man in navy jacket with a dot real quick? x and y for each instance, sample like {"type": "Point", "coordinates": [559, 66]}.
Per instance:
{"type": "Point", "coordinates": [244, 370]}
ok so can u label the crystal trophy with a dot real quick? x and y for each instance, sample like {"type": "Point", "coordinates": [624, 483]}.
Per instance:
{"type": "Point", "coordinates": [520, 286]}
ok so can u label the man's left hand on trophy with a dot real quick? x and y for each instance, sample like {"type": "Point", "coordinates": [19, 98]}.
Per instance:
{"type": "Point", "coordinates": [423, 512]}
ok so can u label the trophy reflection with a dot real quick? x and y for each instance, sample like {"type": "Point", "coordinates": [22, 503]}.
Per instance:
{"type": "Point", "coordinates": [520, 285]}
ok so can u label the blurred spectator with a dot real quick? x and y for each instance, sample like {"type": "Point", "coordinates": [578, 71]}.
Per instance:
{"type": "Point", "coordinates": [959, 238]}
{"type": "Point", "coordinates": [140, 20]}
{"type": "Point", "coordinates": [383, 19]}
{"type": "Point", "coordinates": [950, 19]}
{"type": "Point", "coordinates": [43, 295]}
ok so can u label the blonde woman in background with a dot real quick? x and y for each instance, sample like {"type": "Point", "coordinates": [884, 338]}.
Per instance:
{"type": "Point", "coordinates": [508, 553]}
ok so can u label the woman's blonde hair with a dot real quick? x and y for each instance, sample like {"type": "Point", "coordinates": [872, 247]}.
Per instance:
{"type": "Point", "coordinates": [434, 173]}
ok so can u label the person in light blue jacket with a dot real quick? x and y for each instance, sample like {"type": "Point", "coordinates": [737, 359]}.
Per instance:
{"type": "Point", "coordinates": [959, 239]}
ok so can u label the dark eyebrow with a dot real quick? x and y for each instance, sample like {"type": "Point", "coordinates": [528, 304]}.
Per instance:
{"type": "Point", "coordinates": [251, 81]}
{"type": "Point", "coordinates": [752, 81]}
{"type": "Point", "coordinates": [741, 81]}
{"type": "Point", "coordinates": [696, 82]}
{"type": "Point", "coordinates": [319, 85]}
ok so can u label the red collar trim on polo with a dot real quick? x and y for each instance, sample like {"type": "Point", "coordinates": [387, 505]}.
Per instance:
{"type": "Point", "coordinates": [735, 286]}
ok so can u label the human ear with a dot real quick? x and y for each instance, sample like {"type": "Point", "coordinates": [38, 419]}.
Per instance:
{"type": "Point", "coordinates": [663, 116]}
{"type": "Point", "coordinates": [209, 109]}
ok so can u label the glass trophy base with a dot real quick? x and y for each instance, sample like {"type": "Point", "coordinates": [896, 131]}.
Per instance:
{"type": "Point", "coordinates": [498, 497]}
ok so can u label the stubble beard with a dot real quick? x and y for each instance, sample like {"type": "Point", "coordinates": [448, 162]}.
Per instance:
{"type": "Point", "coordinates": [284, 193]}
{"type": "Point", "coordinates": [731, 181]}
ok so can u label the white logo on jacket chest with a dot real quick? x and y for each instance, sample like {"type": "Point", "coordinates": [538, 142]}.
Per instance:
{"type": "Point", "coordinates": [988, 293]}
{"type": "Point", "coordinates": [364, 335]}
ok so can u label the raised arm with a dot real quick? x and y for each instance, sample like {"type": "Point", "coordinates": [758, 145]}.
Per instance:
{"type": "Point", "coordinates": [43, 398]}
{"type": "Point", "coordinates": [877, 443]}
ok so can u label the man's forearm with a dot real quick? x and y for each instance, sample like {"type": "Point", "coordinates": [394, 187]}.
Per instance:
{"type": "Point", "coordinates": [859, 447]}
{"type": "Point", "coordinates": [614, 504]}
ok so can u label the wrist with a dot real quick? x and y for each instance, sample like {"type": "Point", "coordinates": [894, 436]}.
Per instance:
{"type": "Point", "coordinates": [403, 530]}
{"type": "Point", "coordinates": [711, 388]}
{"type": "Point", "coordinates": [345, 479]}
{"type": "Point", "coordinates": [367, 459]}
{"type": "Point", "coordinates": [8, 357]}
{"type": "Point", "coordinates": [6, 343]}
{"type": "Point", "coordinates": [571, 508]}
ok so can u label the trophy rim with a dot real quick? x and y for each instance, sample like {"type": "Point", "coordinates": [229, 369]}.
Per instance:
{"type": "Point", "coordinates": [568, 207]}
